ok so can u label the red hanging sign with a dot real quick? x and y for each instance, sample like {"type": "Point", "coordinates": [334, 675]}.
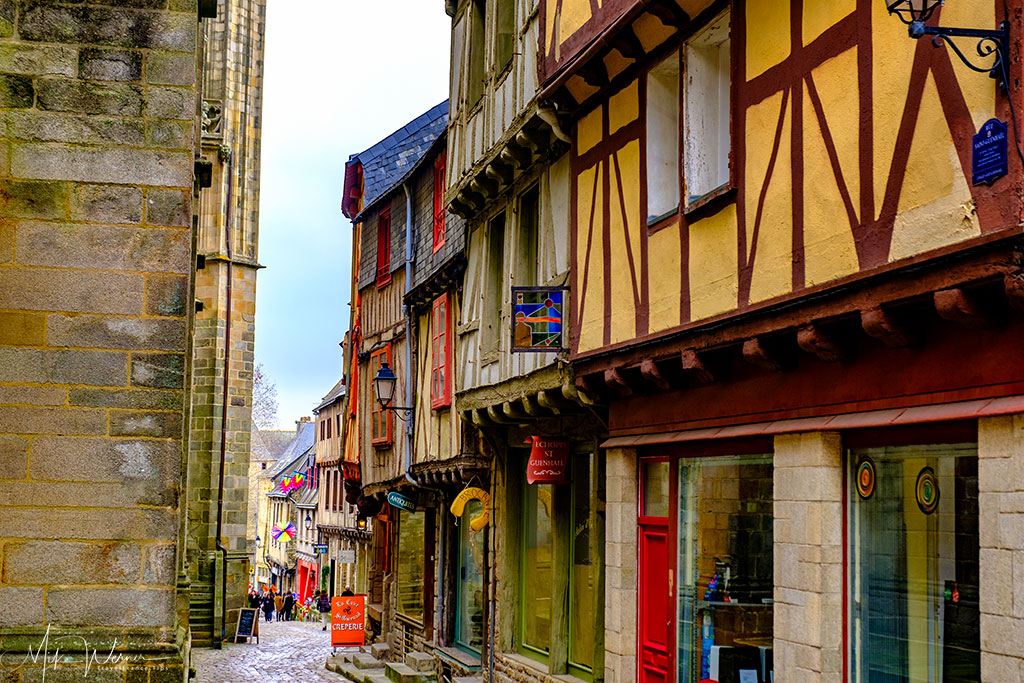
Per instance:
{"type": "Point", "coordinates": [347, 620]}
{"type": "Point", "coordinates": [549, 461]}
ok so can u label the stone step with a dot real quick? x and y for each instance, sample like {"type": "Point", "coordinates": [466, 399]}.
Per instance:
{"type": "Point", "coordinates": [468, 679]}
{"type": "Point", "coordinates": [400, 673]}
{"type": "Point", "coordinates": [357, 675]}
{"type": "Point", "coordinates": [365, 661]}
{"type": "Point", "coordinates": [421, 661]}
{"type": "Point", "coordinates": [380, 651]}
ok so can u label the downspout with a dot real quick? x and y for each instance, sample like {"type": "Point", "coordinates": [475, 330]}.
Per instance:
{"type": "Point", "coordinates": [229, 158]}
{"type": "Point", "coordinates": [409, 371]}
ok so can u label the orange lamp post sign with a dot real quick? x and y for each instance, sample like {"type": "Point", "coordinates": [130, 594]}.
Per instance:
{"type": "Point", "coordinates": [348, 623]}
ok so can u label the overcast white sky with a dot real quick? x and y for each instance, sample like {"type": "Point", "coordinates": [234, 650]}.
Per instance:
{"type": "Point", "coordinates": [339, 76]}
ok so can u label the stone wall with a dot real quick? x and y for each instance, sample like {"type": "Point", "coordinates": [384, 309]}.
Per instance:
{"type": "Point", "coordinates": [97, 112]}
{"type": "Point", "coordinates": [808, 556]}
{"type": "Point", "coordinates": [620, 625]}
{"type": "Point", "coordinates": [1001, 529]}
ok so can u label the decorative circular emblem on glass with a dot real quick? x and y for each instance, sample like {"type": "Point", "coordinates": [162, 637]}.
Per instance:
{"type": "Point", "coordinates": [865, 478]}
{"type": "Point", "coordinates": [927, 491]}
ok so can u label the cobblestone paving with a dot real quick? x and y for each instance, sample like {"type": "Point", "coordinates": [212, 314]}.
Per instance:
{"type": "Point", "coordinates": [288, 651]}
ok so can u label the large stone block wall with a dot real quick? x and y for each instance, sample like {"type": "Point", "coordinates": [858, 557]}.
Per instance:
{"type": "Point", "coordinates": [98, 103]}
{"type": "Point", "coordinates": [808, 533]}
{"type": "Point", "coordinates": [620, 611]}
{"type": "Point", "coordinates": [1001, 530]}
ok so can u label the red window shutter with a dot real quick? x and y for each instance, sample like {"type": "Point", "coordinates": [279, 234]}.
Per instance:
{"type": "Point", "coordinates": [380, 419]}
{"type": "Point", "coordinates": [384, 247]}
{"type": "Point", "coordinates": [440, 381]}
{"type": "Point", "coordinates": [439, 212]}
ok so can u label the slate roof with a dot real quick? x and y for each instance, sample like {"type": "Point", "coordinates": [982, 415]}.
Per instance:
{"type": "Point", "coordinates": [386, 163]}
{"type": "Point", "coordinates": [305, 435]}
{"type": "Point", "coordinates": [336, 392]}
{"type": "Point", "coordinates": [268, 444]}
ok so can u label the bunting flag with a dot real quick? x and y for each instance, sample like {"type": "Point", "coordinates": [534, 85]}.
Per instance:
{"type": "Point", "coordinates": [286, 484]}
{"type": "Point", "coordinates": [288, 531]}
{"type": "Point", "coordinates": [298, 480]}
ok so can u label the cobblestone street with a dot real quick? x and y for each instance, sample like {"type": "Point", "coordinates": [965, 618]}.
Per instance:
{"type": "Point", "coordinates": [287, 651]}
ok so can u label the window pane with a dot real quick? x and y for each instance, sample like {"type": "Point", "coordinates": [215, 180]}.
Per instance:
{"type": "Point", "coordinates": [655, 489]}
{"type": "Point", "coordinates": [725, 566]}
{"type": "Point", "coordinates": [471, 582]}
{"type": "Point", "coordinates": [663, 137]}
{"type": "Point", "coordinates": [707, 110]}
{"type": "Point", "coordinates": [410, 564]}
{"type": "Point", "coordinates": [537, 565]}
{"type": "Point", "coordinates": [913, 530]}
{"type": "Point", "coordinates": [586, 559]}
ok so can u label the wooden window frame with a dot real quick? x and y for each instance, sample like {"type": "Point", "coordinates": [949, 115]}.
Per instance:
{"type": "Point", "coordinates": [376, 411]}
{"type": "Point", "coordinates": [384, 247]}
{"type": "Point", "coordinates": [440, 169]}
{"type": "Point", "coordinates": [441, 352]}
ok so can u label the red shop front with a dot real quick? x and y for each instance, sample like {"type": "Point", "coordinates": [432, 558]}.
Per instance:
{"type": "Point", "coordinates": [308, 582]}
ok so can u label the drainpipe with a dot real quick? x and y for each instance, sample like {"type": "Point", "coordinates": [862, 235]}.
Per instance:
{"type": "Point", "coordinates": [409, 340]}
{"type": "Point", "coordinates": [228, 157]}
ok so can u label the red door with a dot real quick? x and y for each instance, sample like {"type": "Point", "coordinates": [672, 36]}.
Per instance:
{"type": "Point", "coordinates": [656, 609]}
{"type": "Point", "coordinates": [655, 616]}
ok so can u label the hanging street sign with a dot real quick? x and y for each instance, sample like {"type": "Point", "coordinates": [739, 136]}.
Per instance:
{"type": "Point", "coordinates": [549, 461]}
{"type": "Point", "coordinates": [473, 493]}
{"type": "Point", "coordinates": [988, 153]}
{"type": "Point", "coordinates": [319, 548]}
{"type": "Point", "coordinates": [401, 502]}
{"type": "Point", "coordinates": [538, 319]}
{"type": "Point", "coordinates": [347, 556]}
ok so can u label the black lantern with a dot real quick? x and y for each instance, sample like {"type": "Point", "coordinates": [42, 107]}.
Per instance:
{"type": "Point", "coordinates": [991, 42]}
{"type": "Point", "coordinates": [309, 522]}
{"type": "Point", "coordinates": [384, 383]}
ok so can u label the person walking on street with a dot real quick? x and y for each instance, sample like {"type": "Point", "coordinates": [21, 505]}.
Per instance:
{"type": "Point", "coordinates": [268, 606]}
{"type": "Point", "coordinates": [347, 591]}
{"type": "Point", "coordinates": [323, 605]}
{"type": "Point", "coordinates": [279, 606]}
{"type": "Point", "coordinates": [254, 598]}
{"type": "Point", "coordinates": [289, 603]}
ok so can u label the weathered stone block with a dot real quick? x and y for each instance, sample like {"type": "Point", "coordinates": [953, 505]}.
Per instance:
{"type": "Point", "coordinates": [50, 127]}
{"type": "Point", "coordinates": [33, 395]}
{"type": "Point", "coordinates": [104, 460]}
{"type": "Point", "coordinates": [106, 204]}
{"type": "Point", "coordinates": [169, 134]}
{"type": "Point", "coordinates": [159, 567]}
{"type": "Point", "coordinates": [101, 368]}
{"type": "Point", "coordinates": [44, 420]}
{"type": "Point", "coordinates": [50, 161]}
{"type": "Point", "coordinates": [167, 295]}
{"type": "Point", "coordinates": [145, 423]}
{"type": "Point", "coordinates": [65, 290]}
{"type": "Point", "coordinates": [13, 457]}
{"type": "Point", "coordinates": [139, 399]}
{"type": "Point", "coordinates": [116, 333]}
{"type": "Point", "coordinates": [45, 22]}
{"type": "Point", "coordinates": [21, 606]}
{"type": "Point", "coordinates": [53, 562]}
{"type": "Point", "coordinates": [109, 607]}
{"type": "Point", "coordinates": [170, 103]}
{"type": "Point", "coordinates": [7, 230]}
{"type": "Point", "coordinates": [170, 68]}
{"type": "Point", "coordinates": [127, 494]}
{"type": "Point", "coordinates": [89, 523]}
{"type": "Point", "coordinates": [160, 370]}
{"type": "Point", "coordinates": [99, 64]}
{"type": "Point", "coordinates": [167, 207]}
{"type": "Point", "coordinates": [18, 328]}
{"type": "Point", "coordinates": [59, 94]}
{"type": "Point", "coordinates": [16, 91]}
{"type": "Point", "coordinates": [107, 247]}
{"type": "Point", "coordinates": [38, 60]}
{"type": "Point", "coordinates": [33, 198]}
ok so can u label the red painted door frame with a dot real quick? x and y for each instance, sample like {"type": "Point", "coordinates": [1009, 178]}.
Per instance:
{"type": "Point", "coordinates": [649, 528]}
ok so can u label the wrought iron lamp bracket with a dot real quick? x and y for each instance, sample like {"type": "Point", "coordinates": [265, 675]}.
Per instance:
{"type": "Point", "coordinates": [990, 42]}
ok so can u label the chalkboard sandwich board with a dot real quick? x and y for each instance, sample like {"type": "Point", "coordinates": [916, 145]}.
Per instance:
{"type": "Point", "coordinates": [248, 624]}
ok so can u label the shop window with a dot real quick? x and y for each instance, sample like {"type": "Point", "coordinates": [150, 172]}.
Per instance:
{"type": "Point", "coordinates": [707, 110]}
{"type": "Point", "coordinates": [469, 621]}
{"type": "Point", "coordinates": [582, 543]}
{"type": "Point", "coordinates": [383, 247]}
{"type": "Point", "coordinates": [527, 255]}
{"type": "Point", "coordinates": [439, 211]}
{"type": "Point", "coordinates": [409, 566]}
{"type": "Point", "coordinates": [662, 131]}
{"type": "Point", "coordinates": [656, 488]}
{"type": "Point", "coordinates": [380, 419]}
{"type": "Point", "coordinates": [725, 568]}
{"type": "Point", "coordinates": [328, 422]}
{"type": "Point", "coordinates": [441, 353]}
{"type": "Point", "coordinates": [913, 559]}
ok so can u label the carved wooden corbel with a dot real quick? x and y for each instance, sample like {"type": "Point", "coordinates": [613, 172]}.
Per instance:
{"type": "Point", "coordinates": [695, 368]}
{"type": "Point", "coordinates": [957, 306]}
{"type": "Point", "coordinates": [650, 372]}
{"type": "Point", "coordinates": [887, 329]}
{"type": "Point", "coordinates": [815, 341]}
{"type": "Point", "coordinates": [757, 354]}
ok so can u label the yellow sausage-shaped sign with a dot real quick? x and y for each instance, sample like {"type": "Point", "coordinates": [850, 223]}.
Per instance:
{"type": "Point", "coordinates": [473, 493]}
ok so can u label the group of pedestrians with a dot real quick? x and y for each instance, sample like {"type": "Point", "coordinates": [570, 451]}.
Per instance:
{"type": "Point", "coordinates": [273, 603]}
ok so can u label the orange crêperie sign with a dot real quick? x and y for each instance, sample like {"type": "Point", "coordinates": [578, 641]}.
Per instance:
{"type": "Point", "coordinates": [348, 622]}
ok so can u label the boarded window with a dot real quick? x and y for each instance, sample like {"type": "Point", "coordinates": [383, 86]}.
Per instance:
{"type": "Point", "coordinates": [707, 108]}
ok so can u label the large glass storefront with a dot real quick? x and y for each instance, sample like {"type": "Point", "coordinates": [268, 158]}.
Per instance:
{"type": "Point", "coordinates": [913, 555]}
{"type": "Point", "coordinates": [469, 622]}
{"type": "Point", "coordinates": [409, 569]}
{"type": "Point", "coordinates": [724, 568]}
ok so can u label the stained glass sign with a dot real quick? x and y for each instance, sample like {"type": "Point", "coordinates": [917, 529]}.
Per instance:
{"type": "Point", "coordinates": [538, 318]}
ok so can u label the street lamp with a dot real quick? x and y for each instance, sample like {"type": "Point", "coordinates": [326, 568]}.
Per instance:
{"type": "Point", "coordinates": [384, 384]}
{"type": "Point", "coordinates": [309, 522]}
{"type": "Point", "coordinates": [915, 14]}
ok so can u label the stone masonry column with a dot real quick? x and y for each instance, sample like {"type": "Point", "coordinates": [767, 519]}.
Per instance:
{"type": "Point", "coordinates": [1001, 555]}
{"type": "Point", "coordinates": [808, 557]}
{"type": "Point", "coordinates": [620, 566]}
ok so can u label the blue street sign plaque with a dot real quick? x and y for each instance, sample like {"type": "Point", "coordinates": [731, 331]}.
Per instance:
{"type": "Point", "coordinates": [401, 502]}
{"type": "Point", "coordinates": [988, 153]}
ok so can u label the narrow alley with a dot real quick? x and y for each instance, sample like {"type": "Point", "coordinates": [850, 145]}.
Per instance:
{"type": "Point", "coordinates": [291, 651]}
